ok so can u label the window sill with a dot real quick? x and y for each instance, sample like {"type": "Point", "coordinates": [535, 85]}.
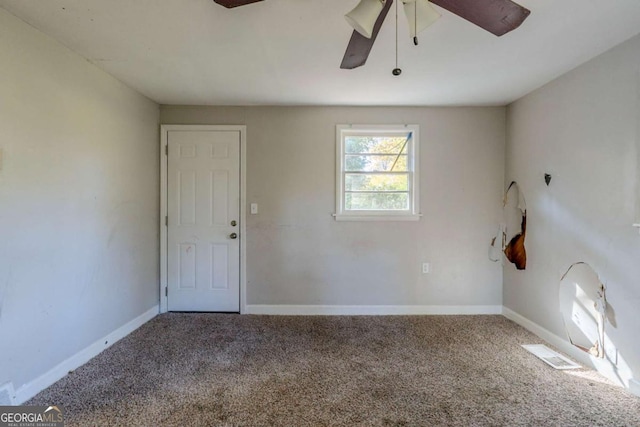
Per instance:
{"type": "Point", "coordinates": [377, 217]}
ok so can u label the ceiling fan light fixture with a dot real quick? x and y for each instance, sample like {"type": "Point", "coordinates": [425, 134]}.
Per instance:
{"type": "Point", "coordinates": [364, 16]}
{"type": "Point", "coordinates": [420, 14]}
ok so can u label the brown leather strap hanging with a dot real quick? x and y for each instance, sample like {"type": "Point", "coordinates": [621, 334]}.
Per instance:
{"type": "Point", "coordinates": [515, 251]}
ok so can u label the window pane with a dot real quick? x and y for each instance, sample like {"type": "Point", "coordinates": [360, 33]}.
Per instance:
{"type": "Point", "coordinates": [376, 201]}
{"type": "Point", "coordinates": [375, 163]}
{"type": "Point", "coordinates": [376, 182]}
{"type": "Point", "coordinates": [376, 144]}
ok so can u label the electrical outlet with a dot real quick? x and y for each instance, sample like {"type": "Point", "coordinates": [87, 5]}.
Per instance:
{"type": "Point", "coordinates": [426, 268]}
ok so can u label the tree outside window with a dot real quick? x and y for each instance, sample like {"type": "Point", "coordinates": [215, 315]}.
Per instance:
{"type": "Point", "coordinates": [377, 171]}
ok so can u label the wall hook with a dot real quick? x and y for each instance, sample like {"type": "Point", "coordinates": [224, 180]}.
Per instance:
{"type": "Point", "coordinates": [547, 178]}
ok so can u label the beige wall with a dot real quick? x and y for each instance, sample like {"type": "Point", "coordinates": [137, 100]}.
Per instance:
{"type": "Point", "coordinates": [79, 203]}
{"type": "Point", "coordinates": [583, 129]}
{"type": "Point", "coordinates": [298, 254]}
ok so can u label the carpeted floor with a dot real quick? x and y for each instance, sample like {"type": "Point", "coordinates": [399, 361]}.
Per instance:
{"type": "Point", "coordinates": [231, 370]}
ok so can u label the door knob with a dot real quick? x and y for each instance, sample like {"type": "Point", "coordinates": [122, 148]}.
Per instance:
{"type": "Point", "coordinates": [233, 235]}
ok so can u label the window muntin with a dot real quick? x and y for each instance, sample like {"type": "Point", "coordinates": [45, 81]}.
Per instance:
{"type": "Point", "coordinates": [377, 174]}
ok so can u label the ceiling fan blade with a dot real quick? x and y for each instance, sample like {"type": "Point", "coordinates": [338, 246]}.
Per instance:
{"type": "Point", "coordinates": [359, 46]}
{"type": "Point", "coordinates": [235, 3]}
{"type": "Point", "coordinates": [496, 16]}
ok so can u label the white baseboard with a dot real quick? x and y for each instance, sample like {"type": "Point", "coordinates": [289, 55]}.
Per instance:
{"type": "Point", "coordinates": [370, 310]}
{"type": "Point", "coordinates": [561, 344]}
{"type": "Point", "coordinates": [32, 388]}
{"type": "Point", "coordinates": [619, 374]}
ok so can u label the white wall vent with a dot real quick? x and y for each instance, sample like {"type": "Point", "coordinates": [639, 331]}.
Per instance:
{"type": "Point", "coordinates": [550, 357]}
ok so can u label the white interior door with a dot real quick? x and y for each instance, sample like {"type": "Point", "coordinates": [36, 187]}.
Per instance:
{"type": "Point", "coordinates": [203, 205]}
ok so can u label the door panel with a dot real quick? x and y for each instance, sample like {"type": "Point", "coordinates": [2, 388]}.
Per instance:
{"type": "Point", "coordinates": [203, 201]}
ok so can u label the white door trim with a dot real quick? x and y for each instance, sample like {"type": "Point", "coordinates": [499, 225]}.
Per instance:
{"type": "Point", "coordinates": [164, 130]}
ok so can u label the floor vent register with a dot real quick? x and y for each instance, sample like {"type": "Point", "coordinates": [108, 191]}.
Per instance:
{"type": "Point", "coordinates": [550, 357]}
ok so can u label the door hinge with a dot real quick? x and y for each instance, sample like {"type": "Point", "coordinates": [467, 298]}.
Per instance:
{"type": "Point", "coordinates": [166, 149]}
{"type": "Point", "coordinates": [166, 291]}
{"type": "Point", "coordinates": [166, 221]}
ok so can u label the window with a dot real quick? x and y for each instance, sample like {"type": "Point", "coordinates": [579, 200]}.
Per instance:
{"type": "Point", "coordinates": [377, 172]}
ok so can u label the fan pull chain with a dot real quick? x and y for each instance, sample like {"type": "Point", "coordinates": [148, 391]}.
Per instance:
{"type": "Point", "coordinates": [397, 71]}
{"type": "Point", "coordinates": [415, 23]}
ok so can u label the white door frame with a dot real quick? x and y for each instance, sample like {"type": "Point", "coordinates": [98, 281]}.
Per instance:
{"type": "Point", "coordinates": [164, 131]}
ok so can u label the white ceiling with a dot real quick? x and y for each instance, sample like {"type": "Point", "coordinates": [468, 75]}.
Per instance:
{"type": "Point", "coordinates": [288, 52]}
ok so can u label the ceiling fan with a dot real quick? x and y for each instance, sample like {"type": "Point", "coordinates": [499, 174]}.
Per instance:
{"type": "Point", "coordinates": [496, 16]}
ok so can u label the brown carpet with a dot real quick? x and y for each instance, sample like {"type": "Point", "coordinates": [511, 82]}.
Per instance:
{"type": "Point", "coordinates": [231, 370]}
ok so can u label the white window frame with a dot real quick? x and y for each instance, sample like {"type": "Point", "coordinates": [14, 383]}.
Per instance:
{"type": "Point", "coordinates": [413, 162]}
